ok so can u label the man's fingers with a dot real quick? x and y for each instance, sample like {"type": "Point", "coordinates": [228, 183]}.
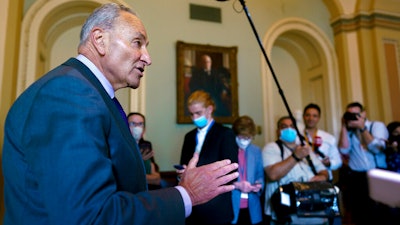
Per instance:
{"type": "Point", "coordinates": [193, 161]}
{"type": "Point", "coordinates": [225, 188]}
{"type": "Point", "coordinates": [227, 178]}
{"type": "Point", "coordinates": [205, 182]}
{"type": "Point", "coordinates": [221, 164]}
{"type": "Point", "coordinates": [225, 169]}
{"type": "Point", "coordinates": [214, 166]}
{"type": "Point", "coordinates": [224, 175]}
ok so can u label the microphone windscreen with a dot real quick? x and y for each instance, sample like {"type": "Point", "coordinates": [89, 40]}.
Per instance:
{"type": "Point", "coordinates": [317, 141]}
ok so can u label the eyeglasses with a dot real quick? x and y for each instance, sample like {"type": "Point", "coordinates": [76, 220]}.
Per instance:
{"type": "Point", "coordinates": [245, 137]}
{"type": "Point", "coordinates": [134, 124]}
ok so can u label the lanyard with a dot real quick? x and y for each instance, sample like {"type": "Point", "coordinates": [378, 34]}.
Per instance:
{"type": "Point", "coordinates": [310, 142]}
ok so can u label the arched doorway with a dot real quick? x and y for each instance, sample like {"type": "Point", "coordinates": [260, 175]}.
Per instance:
{"type": "Point", "coordinates": [306, 47]}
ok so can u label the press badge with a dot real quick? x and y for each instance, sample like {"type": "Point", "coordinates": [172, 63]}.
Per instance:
{"type": "Point", "coordinates": [244, 195]}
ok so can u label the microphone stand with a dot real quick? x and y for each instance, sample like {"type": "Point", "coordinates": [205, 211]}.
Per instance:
{"type": "Point", "coordinates": [277, 83]}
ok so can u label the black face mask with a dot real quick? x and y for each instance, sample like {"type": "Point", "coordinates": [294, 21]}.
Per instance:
{"type": "Point", "coordinates": [394, 139]}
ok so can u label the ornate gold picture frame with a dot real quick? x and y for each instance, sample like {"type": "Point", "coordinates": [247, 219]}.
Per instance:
{"type": "Point", "coordinates": [218, 77]}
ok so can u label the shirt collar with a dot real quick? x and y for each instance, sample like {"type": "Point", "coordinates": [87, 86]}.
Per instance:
{"type": "Point", "coordinates": [205, 129]}
{"type": "Point", "coordinates": [99, 75]}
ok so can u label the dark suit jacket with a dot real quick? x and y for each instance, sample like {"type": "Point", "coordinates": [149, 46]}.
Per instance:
{"type": "Point", "coordinates": [69, 158]}
{"type": "Point", "coordinates": [219, 144]}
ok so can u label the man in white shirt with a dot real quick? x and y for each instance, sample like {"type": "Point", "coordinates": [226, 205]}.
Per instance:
{"type": "Point", "coordinates": [323, 143]}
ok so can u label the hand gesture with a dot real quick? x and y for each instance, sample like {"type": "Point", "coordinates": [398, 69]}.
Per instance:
{"type": "Point", "coordinates": [206, 182]}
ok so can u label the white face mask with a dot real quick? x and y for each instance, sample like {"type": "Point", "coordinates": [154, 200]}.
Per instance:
{"type": "Point", "coordinates": [137, 132]}
{"type": "Point", "coordinates": [243, 143]}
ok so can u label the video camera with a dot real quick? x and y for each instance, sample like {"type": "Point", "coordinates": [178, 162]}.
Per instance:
{"type": "Point", "coordinates": [306, 199]}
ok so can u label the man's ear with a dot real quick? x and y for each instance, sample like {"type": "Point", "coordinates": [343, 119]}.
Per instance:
{"type": "Point", "coordinates": [210, 109]}
{"type": "Point", "coordinates": [99, 39]}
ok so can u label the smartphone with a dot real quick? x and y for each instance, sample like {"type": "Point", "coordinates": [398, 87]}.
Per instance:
{"type": "Point", "coordinates": [179, 167]}
{"type": "Point", "coordinates": [257, 182]}
{"type": "Point", "coordinates": [145, 146]}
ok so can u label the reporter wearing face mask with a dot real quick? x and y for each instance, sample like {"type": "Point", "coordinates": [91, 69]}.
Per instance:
{"type": "Point", "coordinates": [246, 198]}
{"type": "Point", "coordinates": [213, 142]}
{"type": "Point", "coordinates": [137, 126]}
{"type": "Point", "coordinates": [284, 162]}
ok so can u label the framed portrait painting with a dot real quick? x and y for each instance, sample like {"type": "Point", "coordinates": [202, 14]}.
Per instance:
{"type": "Point", "coordinates": [212, 69]}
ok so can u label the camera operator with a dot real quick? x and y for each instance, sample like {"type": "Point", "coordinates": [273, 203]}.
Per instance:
{"type": "Point", "coordinates": [363, 141]}
{"type": "Point", "coordinates": [285, 161]}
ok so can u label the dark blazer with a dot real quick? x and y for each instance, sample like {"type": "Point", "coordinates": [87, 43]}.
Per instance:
{"type": "Point", "coordinates": [219, 144]}
{"type": "Point", "coordinates": [69, 158]}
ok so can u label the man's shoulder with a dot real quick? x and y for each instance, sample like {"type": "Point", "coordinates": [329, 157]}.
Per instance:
{"type": "Point", "coordinates": [376, 122]}
{"type": "Point", "coordinates": [378, 129]}
{"type": "Point", "coordinates": [191, 132]}
{"type": "Point", "coordinates": [376, 125]}
{"type": "Point", "coordinates": [220, 127]}
{"type": "Point", "coordinates": [271, 146]}
{"type": "Point", "coordinates": [325, 134]}
{"type": "Point", "coordinates": [271, 154]}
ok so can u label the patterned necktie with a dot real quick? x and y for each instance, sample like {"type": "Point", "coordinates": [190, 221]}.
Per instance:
{"type": "Point", "coordinates": [121, 110]}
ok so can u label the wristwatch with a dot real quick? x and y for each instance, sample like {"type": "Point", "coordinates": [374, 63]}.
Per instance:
{"type": "Point", "coordinates": [295, 157]}
{"type": "Point", "coordinates": [364, 129]}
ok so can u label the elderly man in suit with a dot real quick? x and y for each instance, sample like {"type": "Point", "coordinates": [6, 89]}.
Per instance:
{"type": "Point", "coordinates": [68, 155]}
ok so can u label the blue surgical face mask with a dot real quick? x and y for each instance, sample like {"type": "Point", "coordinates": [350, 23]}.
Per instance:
{"type": "Point", "coordinates": [288, 135]}
{"type": "Point", "coordinates": [243, 143]}
{"type": "Point", "coordinates": [200, 122]}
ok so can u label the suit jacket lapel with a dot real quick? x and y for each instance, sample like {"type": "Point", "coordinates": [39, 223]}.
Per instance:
{"type": "Point", "coordinates": [85, 71]}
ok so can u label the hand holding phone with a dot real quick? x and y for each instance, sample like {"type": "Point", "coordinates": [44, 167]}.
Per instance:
{"type": "Point", "coordinates": [179, 167]}
{"type": "Point", "coordinates": [257, 186]}
{"type": "Point", "coordinates": [257, 182]}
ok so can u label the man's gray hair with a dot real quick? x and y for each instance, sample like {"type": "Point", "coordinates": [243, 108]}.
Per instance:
{"type": "Point", "coordinates": [102, 17]}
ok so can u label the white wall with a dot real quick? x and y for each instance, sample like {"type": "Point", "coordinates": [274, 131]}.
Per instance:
{"type": "Point", "coordinates": [287, 73]}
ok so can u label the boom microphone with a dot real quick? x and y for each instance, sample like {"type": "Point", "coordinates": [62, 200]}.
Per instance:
{"type": "Point", "coordinates": [311, 164]}
{"type": "Point", "coordinates": [275, 79]}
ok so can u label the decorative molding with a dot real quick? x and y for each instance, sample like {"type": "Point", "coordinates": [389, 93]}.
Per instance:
{"type": "Point", "coordinates": [366, 21]}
